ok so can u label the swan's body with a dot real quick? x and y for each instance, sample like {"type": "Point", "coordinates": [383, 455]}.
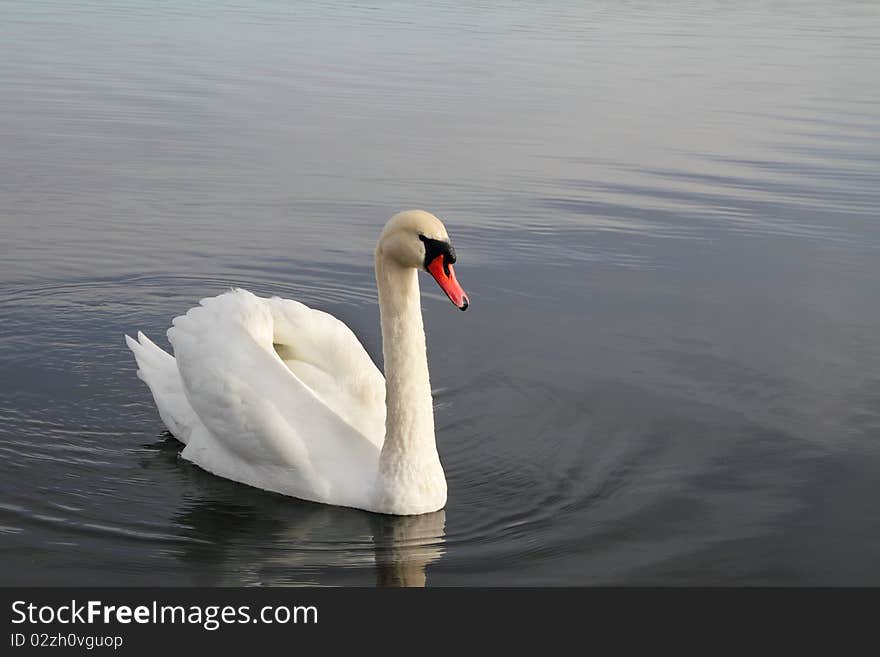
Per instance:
{"type": "Point", "coordinates": [274, 394]}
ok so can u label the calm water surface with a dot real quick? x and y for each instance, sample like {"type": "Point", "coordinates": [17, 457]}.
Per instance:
{"type": "Point", "coordinates": [667, 220]}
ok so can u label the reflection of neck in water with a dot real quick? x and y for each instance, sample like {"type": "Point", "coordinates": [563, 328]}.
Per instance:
{"type": "Point", "coordinates": [405, 545]}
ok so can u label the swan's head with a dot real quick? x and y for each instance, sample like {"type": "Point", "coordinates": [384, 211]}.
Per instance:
{"type": "Point", "coordinates": [418, 239]}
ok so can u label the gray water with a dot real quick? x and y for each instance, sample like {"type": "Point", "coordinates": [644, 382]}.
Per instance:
{"type": "Point", "coordinates": [666, 220]}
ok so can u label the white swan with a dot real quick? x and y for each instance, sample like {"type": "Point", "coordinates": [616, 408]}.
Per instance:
{"type": "Point", "coordinates": [274, 394]}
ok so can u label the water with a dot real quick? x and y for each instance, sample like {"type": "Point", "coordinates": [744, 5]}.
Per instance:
{"type": "Point", "coordinates": [666, 219]}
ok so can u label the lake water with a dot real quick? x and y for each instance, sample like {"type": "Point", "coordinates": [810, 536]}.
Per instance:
{"type": "Point", "coordinates": [666, 217]}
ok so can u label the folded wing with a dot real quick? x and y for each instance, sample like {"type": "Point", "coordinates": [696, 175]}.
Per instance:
{"type": "Point", "coordinates": [277, 395]}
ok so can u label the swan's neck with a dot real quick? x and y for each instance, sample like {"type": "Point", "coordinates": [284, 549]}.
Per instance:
{"type": "Point", "coordinates": [410, 478]}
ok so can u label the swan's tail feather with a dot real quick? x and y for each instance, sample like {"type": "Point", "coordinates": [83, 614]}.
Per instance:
{"type": "Point", "coordinates": [158, 369]}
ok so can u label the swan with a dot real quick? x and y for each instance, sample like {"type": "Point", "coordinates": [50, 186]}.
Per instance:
{"type": "Point", "coordinates": [271, 393]}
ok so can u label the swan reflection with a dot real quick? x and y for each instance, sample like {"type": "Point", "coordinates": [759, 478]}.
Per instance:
{"type": "Point", "coordinates": [405, 545]}
{"type": "Point", "coordinates": [240, 536]}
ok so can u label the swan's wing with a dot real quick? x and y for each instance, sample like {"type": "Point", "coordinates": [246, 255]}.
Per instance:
{"type": "Point", "coordinates": [262, 424]}
{"type": "Point", "coordinates": [328, 358]}
{"type": "Point", "coordinates": [158, 370]}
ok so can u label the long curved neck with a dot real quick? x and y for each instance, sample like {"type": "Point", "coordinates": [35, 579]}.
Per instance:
{"type": "Point", "coordinates": [409, 409]}
{"type": "Point", "coordinates": [409, 453]}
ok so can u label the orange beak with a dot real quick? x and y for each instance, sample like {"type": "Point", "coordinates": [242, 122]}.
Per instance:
{"type": "Point", "coordinates": [444, 274]}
